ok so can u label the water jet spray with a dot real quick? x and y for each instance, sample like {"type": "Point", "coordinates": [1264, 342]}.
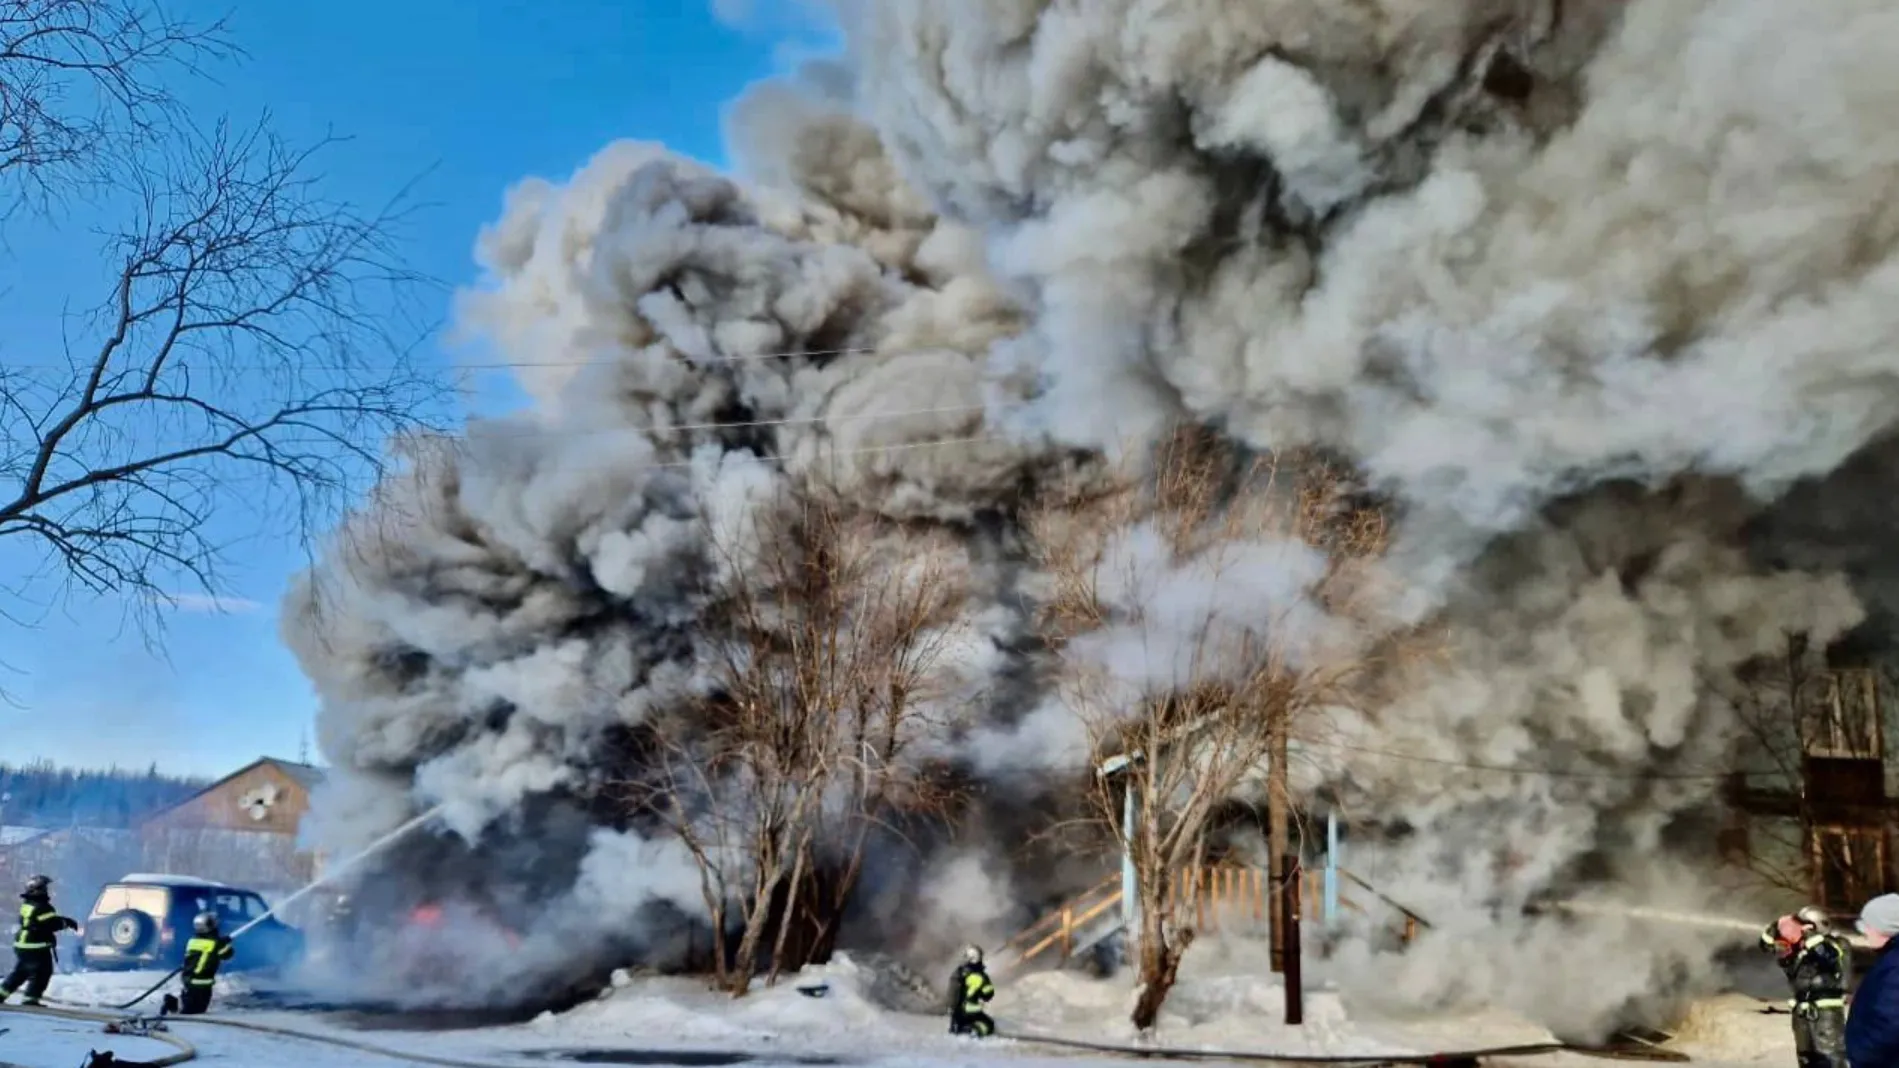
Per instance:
{"type": "Point", "coordinates": [1689, 919]}
{"type": "Point", "coordinates": [1654, 915]}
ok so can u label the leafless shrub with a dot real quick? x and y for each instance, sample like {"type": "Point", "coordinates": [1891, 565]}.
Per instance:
{"type": "Point", "coordinates": [809, 735]}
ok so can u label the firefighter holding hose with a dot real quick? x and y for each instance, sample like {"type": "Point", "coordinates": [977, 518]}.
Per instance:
{"type": "Point", "coordinates": [207, 949]}
{"type": "Point", "coordinates": [1816, 963]}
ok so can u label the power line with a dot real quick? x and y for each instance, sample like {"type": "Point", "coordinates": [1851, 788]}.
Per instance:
{"type": "Point", "coordinates": [557, 432]}
{"type": "Point", "coordinates": [496, 365]}
{"type": "Point", "coordinates": [748, 457]}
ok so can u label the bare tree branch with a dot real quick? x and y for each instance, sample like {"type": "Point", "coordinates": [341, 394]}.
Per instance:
{"type": "Point", "coordinates": [254, 349]}
{"type": "Point", "coordinates": [83, 85]}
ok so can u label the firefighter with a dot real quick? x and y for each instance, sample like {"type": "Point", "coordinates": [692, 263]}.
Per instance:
{"type": "Point", "coordinates": [207, 949]}
{"type": "Point", "coordinates": [33, 941]}
{"type": "Point", "coordinates": [970, 990]}
{"type": "Point", "coordinates": [1816, 964]}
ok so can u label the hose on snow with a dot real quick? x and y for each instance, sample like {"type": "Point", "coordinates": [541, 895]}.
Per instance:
{"type": "Point", "coordinates": [1470, 1056]}
{"type": "Point", "coordinates": [185, 1050]}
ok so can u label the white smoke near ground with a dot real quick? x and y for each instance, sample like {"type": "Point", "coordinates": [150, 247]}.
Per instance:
{"type": "Point", "coordinates": [1582, 287]}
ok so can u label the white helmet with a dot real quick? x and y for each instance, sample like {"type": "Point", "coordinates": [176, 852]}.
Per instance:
{"type": "Point", "coordinates": [1813, 916]}
{"type": "Point", "coordinates": [972, 954]}
{"type": "Point", "coordinates": [205, 923]}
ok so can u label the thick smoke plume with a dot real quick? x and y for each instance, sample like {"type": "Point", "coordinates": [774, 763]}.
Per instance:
{"type": "Point", "coordinates": [1581, 287]}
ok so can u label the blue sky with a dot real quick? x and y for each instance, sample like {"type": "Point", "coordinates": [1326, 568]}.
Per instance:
{"type": "Point", "coordinates": [479, 94]}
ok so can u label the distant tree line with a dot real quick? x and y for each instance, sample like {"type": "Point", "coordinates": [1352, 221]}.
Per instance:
{"type": "Point", "coordinates": [45, 795]}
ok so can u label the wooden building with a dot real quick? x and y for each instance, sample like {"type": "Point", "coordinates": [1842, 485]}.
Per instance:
{"type": "Point", "coordinates": [1814, 808]}
{"type": "Point", "coordinates": [242, 829]}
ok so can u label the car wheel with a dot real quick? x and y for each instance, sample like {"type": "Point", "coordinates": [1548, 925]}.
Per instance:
{"type": "Point", "coordinates": [129, 931]}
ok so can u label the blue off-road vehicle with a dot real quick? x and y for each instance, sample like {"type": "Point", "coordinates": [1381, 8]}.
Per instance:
{"type": "Point", "coordinates": [144, 921]}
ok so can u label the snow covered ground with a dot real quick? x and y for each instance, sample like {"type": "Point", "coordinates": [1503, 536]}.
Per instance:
{"type": "Point", "coordinates": [1223, 1002]}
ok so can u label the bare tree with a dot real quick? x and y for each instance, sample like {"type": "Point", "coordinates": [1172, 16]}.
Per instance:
{"type": "Point", "coordinates": [1202, 620]}
{"type": "Point", "coordinates": [826, 684]}
{"type": "Point", "coordinates": [251, 342]}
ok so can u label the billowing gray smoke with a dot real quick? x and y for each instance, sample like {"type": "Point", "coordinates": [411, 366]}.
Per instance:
{"type": "Point", "coordinates": [1582, 285]}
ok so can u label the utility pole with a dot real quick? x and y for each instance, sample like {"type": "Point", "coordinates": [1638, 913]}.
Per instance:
{"type": "Point", "coordinates": [1331, 910]}
{"type": "Point", "coordinates": [1295, 986]}
{"type": "Point", "coordinates": [1280, 875]}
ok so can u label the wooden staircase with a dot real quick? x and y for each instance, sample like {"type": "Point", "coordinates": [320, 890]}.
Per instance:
{"type": "Point", "coordinates": [1211, 898]}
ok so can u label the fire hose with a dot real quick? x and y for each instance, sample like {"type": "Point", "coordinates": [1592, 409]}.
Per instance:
{"type": "Point", "coordinates": [1446, 1058]}
{"type": "Point", "coordinates": [1443, 1059]}
{"type": "Point", "coordinates": [186, 1051]}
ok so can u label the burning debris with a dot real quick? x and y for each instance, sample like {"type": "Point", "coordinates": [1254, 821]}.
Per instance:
{"type": "Point", "coordinates": [1574, 301]}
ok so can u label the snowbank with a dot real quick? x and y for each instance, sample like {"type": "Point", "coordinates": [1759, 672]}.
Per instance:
{"type": "Point", "coordinates": [1227, 999]}
{"type": "Point", "coordinates": [1224, 1001]}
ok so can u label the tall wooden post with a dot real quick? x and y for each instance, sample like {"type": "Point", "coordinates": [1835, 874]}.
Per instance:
{"type": "Point", "coordinates": [1278, 827]}
{"type": "Point", "coordinates": [1295, 992]}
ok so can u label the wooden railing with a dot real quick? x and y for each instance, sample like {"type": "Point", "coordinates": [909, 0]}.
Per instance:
{"type": "Point", "coordinates": [1412, 921]}
{"type": "Point", "coordinates": [1057, 930]}
{"type": "Point", "coordinates": [1230, 894]}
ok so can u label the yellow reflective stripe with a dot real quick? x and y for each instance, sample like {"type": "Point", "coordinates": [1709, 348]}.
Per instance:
{"type": "Point", "coordinates": [207, 951]}
{"type": "Point", "coordinates": [29, 914]}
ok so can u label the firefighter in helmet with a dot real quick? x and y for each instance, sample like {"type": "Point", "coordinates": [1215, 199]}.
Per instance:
{"type": "Point", "coordinates": [1817, 965]}
{"type": "Point", "coordinates": [207, 949]}
{"type": "Point", "coordinates": [970, 990]}
{"type": "Point", "coordinates": [33, 957]}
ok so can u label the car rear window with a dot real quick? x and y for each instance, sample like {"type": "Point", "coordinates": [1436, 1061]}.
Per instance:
{"type": "Point", "coordinates": [239, 908]}
{"type": "Point", "coordinates": [115, 899]}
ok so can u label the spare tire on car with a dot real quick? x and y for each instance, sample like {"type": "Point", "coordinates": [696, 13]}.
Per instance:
{"type": "Point", "coordinates": [129, 931]}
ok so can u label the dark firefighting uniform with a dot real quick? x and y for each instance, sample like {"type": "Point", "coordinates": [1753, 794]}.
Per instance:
{"type": "Point", "coordinates": [1817, 970]}
{"type": "Point", "coordinates": [970, 990]}
{"type": "Point", "coordinates": [33, 948]}
{"type": "Point", "coordinates": [203, 954]}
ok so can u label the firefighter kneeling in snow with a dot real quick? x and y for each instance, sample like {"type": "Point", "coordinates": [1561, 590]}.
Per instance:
{"type": "Point", "coordinates": [33, 942]}
{"type": "Point", "coordinates": [207, 949]}
{"type": "Point", "coordinates": [970, 990]}
{"type": "Point", "coordinates": [1816, 964]}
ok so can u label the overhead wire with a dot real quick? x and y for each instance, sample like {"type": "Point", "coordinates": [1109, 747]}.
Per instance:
{"type": "Point", "coordinates": [501, 365]}
{"type": "Point", "coordinates": [749, 424]}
